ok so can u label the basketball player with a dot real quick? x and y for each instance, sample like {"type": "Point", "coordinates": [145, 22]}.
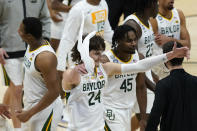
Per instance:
{"type": "Point", "coordinates": [12, 50]}
{"type": "Point", "coordinates": [42, 106]}
{"type": "Point", "coordinates": [86, 90]}
{"type": "Point", "coordinates": [120, 95]}
{"type": "Point", "coordinates": [140, 21]}
{"type": "Point", "coordinates": [169, 25]}
{"type": "Point", "coordinates": [95, 14]}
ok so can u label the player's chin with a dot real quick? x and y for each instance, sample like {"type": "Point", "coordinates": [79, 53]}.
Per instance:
{"type": "Point", "coordinates": [96, 64]}
{"type": "Point", "coordinates": [170, 7]}
{"type": "Point", "coordinates": [131, 52]}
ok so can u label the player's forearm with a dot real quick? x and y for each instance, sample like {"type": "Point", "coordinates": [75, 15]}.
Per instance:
{"type": "Point", "coordinates": [68, 39]}
{"type": "Point", "coordinates": [141, 94]}
{"type": "Point", "coordinates": [60, 77]}
{"type": "Point", "coordinates": [64, 48]}
{"type": "Point", "coordinates": [149, 84]}
{"type": "Point", "coordinates": [145, 64]}
{"type": "Point", "coordinates": [47, 99]}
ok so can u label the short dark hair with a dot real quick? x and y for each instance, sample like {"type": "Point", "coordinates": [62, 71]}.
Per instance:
{"type": "Point", "coordinates": [168, 47]}
{"type": "Point", "coordinates": [143, 4]}
{"type": "Point", "coordinates": [96, 43]}
{"type": "Point", "coordinates": [33, 26]}
{"type": "Point", "coordinates": [119, 33]}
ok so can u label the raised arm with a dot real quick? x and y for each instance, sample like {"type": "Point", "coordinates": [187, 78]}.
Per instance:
{"type": "Point", "coordinates": [145, 64]}
{"type": "Point", "coordinates": [69, 37]}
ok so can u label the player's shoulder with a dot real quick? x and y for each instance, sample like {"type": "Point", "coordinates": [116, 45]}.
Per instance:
{"type": "Point", "coordinates": [46, 57]}
{"type": "Point", "coordinates": [180, 12]}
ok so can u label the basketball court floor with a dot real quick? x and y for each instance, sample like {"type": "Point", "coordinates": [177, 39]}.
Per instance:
{"type": "Point", "coordinates": [190, 10]}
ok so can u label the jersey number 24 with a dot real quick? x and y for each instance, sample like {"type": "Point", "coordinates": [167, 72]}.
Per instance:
{"type": "Point", "coordinates": [94, 98]}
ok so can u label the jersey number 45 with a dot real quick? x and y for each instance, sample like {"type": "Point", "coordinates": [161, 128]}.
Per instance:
{"type": "Point", "coordinates": [126, 85]}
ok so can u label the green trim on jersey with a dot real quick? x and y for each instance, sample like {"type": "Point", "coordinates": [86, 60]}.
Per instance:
{"type": "Point", "coordinates": [6, 77]}
{"type": "Point", "coordinates": [67, 94]}
{"type": "Point", "coordinates": [47, 125]}
{"type": "Point", "coordinates": [107, 127]}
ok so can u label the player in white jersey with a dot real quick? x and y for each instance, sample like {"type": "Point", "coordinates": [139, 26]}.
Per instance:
{"type": "Point", "coordinates": [122, 90]}
{"type": "Point", "coordinates": [42, 106]}
{"type": "Point", "coordinates": [169, 25]}
{"type": "Point", "coordinates": [95, 14]}
{"type": "Point", "coordinates": [140, 21]}
{"type": "Point", "coordinates": [86, 90]}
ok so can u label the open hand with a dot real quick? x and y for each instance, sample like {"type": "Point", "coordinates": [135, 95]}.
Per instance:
{"type": "Point", "coordinates": [181, 52]}
{"type": "Point", "coordinates": [23, 116]}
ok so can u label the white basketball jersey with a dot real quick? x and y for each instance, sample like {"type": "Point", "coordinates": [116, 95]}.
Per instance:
{"type": "Point", "coordinates": [34, 85]}
{"type": "Point", "coordinates": [147, 40]}
{"type": "Point", "coordinates": [121, 89]}
{"type": "Point", "coordinates": [146, 43]}
{"type": "Point", "coordinates": [169, 27]}
{"type": "Point", "coordinates": [85, 102]}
